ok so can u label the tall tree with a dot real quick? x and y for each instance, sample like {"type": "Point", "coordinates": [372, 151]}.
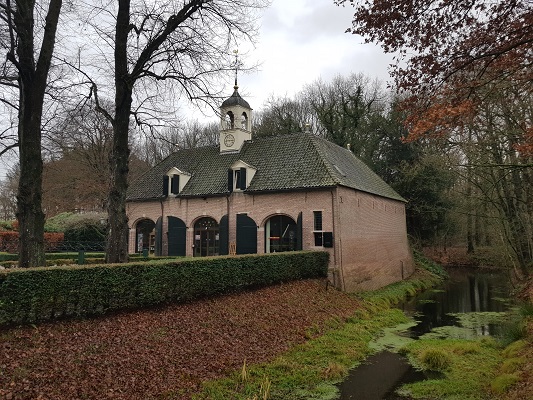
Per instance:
{"type": "Point", "coordinates": [177, 48]}
{"type": "Point", "coordinates": [282, 116]}
{"type": "Point", "coordinates": [29, 54]}
{"type": "Point", "coordinates": [476, 80]}
{"type": "Point", "coordinates": [443, 72]}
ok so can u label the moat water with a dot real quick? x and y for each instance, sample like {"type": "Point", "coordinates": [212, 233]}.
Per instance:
{"type": "Point", "coordinates": [466, 291]}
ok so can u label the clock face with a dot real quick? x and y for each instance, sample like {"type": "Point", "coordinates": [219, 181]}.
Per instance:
{"type": "Point", "coordinates": [229, 140]}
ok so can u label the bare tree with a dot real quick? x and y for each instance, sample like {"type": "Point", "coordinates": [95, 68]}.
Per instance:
{"type": "Point", "coordinates": [8, 194]}
{"type": "Point", "coordinates": [25, 69]}
{"type": "Point", "coordinates": [160, 48]}
{"type": "Point", "coordinates": [77, 149]}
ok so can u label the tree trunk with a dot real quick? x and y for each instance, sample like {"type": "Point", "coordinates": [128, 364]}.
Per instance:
{"type": "Point", "coordinates": [117, 240]}
{"type": "Point", "coordinates": [32, 85]}
{"type": "Point", "coordinates": [29, 212]}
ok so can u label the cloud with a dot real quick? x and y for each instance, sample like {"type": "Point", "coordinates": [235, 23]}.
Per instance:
{"type": "Point", "coordinates": [302, 41]}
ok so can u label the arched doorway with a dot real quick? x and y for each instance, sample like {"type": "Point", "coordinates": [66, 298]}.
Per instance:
{"type": "Point", "coordinates": [280, 234]}
{"type": "Point", "coordinates": [145, 235]}
{"type": "Point", "coordinates": [206, 237]}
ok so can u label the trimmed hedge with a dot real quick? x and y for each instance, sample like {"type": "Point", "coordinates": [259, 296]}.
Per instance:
{"type": "Point", "coordinates": [40, 294]}
{"type": "Point", "coordinates": [9, 241]}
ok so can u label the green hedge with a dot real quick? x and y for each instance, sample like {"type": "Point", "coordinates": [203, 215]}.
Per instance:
{"type": "Point", "coordinates": [39, 294]}
{"type": "Point", "coordinates": [73, 255]}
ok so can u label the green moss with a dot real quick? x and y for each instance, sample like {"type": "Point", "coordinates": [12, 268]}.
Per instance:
{"type": "Point", "coordinates": [512, 365]}
{"type": "Point", "coordinates": [435, 360]}
{"type": "Point", "coordinates": [503, 383]}
{"type": "Point", "coordinates": [464, 377]}
{"type": "Point", "coordinates": [514, 349]}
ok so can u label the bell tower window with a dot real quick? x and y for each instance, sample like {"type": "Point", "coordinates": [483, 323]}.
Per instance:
{"type": "Point", "coordinates": [230, 120]}
{"type": "Point", "coordinates": [244, 121]}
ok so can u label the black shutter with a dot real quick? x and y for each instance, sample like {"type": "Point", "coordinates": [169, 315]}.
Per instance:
{"type": "Point", "coordinates": [165, 185]}
{"type": "Point", "coordinates": [242, 179]}
{"type": "Point", "coordinates": [175, 184]}
{"type": "Point", "coordinates": [328, 239]}
{"type": "Point", "coordinates": [299, 232]}
{"type": "Point", "coordinates": [223, 236]}
{"type": "Point", "coordinates": [230, 180]}
{"type": "Point", "coordinates": [246, 235]}
{"type": "Point", "coordinates": [177, 234]}
{"type": "Point", "coordinates": [158, 237]}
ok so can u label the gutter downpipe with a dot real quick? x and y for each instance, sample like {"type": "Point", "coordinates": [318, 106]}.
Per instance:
{"type": "Point", "coordinates": [337, 254]}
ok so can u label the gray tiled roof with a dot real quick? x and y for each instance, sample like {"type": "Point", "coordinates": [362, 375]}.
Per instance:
{"type": "Point", "coordinates": [289, 162]}
{"type": "Point", "coordinates": [235, 99]}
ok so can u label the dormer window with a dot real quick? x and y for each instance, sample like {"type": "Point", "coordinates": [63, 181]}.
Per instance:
{"type": "Point", "coordinates": [240, 176]}
{"type": "Point", "coordinates": [237, 179]}
{"type": "Point", "coordinates": [174, 181]}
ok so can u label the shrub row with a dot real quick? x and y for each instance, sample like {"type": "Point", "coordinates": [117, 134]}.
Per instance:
{"type": "Point", "coordinates": [39, 294]}
{"type": "Point", "coordinates": [9, 241]}
{"type": "Point", "coordinates": [9, 260]}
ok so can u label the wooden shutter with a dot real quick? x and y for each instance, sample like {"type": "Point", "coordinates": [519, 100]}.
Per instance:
{"type": "Point", "coordinates": [246, 235]}
{"type": "Point", "coordinates": [177, 233]}
{"type": "Point", "coordinates": [299, 232]}
{"type": "Point", "coordinates": [242, 179]}
{"type": "Point", "coordinates": [165, 185]}
{"type": "Point", "coordinates": [230, 180]}
{"type": "Point", "coordinates": [175, 184]}
{"type": "Point", "coordinates": [223, 237]}
{"type": "Point", "coordinates": [328, 239]}
{"type": "Point", "coordinates": [158, 237]}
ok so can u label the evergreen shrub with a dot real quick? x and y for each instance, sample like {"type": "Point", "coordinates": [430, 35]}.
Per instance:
{"type": "Point", "coordinates": [38, 294]}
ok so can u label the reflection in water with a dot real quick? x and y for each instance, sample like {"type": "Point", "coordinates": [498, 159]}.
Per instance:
{"type": "Point", "coordinates": [375, 378]}
{"type": "Point", "coordinates": [464, 292]}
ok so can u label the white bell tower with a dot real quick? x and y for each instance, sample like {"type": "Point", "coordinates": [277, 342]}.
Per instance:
{"type": "Point", "coordinates": [235, 120]}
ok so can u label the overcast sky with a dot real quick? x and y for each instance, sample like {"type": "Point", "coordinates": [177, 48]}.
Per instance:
{"type": "Point", "coordinates": [304, 40]}
{"type": "Point", "coordinates": [301, 41]}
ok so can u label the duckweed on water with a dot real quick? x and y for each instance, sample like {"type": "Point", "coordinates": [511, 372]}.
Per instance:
{"type": "Point", "coordinates": [391, 339]}
{"type": "Point", "coordinates": [476, 320]}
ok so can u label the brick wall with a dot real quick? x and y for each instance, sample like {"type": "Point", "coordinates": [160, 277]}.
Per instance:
{"type": "Point", "coordinates": [370, 241]}
{"type": "Point", "coordinates": [373, 246]}
{"type": "Point", "coordinates": [259, 207]}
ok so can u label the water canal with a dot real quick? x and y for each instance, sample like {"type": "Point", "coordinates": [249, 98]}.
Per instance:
{"type": "Point", "coordinates": [465, 292]}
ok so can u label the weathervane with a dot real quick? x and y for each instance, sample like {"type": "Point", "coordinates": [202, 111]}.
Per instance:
{"type": "Point", "coordinates": [236, 52]}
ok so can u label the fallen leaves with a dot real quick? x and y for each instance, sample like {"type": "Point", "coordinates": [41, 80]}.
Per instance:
{"type": "Point", "coordinates": [166, 352]}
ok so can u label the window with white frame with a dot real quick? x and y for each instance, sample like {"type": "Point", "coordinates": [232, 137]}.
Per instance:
{"type": "Point", "coordinates": [317, 228]}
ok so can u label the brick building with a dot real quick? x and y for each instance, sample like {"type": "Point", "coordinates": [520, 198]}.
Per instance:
{"type": "Point", "coordinates": [272, 194]}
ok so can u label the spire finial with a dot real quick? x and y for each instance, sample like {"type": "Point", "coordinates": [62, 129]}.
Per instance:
{"type": "Point", "coordinates": [236, 52]}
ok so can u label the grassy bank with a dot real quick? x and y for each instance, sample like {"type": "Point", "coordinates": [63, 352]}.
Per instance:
{"type": "Point", "coordinates": [309, 370]}
{"type": "Point", "coordinates": [485, 368]}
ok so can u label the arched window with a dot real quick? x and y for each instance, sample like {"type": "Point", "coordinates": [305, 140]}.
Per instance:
{"type": "Point", "coordinates": [230, 120]}
{"type": "Point", "coordinates": [280, 234]}
{"type": "Point", "coordinates": [244, 121]}
{"type": "Point", "coordinates": [145, 235]}
{"type": "Point", "coordinates": [206, 237]}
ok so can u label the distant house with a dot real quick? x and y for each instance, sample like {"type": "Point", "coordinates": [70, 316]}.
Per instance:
{"type": "Point", "coordinates": [272, 194]}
